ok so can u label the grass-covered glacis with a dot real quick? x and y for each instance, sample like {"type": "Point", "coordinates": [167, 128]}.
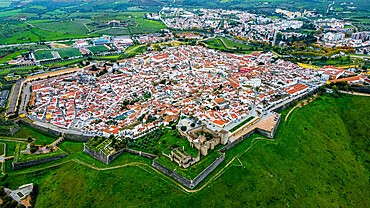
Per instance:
{"type": "Point", "coordinates": [318, 158]}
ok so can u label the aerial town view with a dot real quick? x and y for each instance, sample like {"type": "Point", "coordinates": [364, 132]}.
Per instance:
{"type": "Point", "coordinates": [162, 103]}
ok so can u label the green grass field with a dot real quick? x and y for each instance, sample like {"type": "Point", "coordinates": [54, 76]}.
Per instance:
{"type": "Point", "coordinates": [2, 148]}
{"type": "Point", "coordinates": [319, 158]}
{"type": "Point", "coordinates": [43, 54]}
{"type": "Point", "coordinates": [147, 26]}
{"type": "Point", "coordinates": [40, 136]}
{"type": "Point", "coordinates": [98, 49]}
{"type": "Point", "coordinates": [233, 44]}
{"type": "Point", "coordinates": [67, 26]}
{"type": "Point", "coordinates": [69, 52]}
{"type": "Point", "coordinates": [228, 45]}
{"type": "Point", "coordinates": [37, 34]}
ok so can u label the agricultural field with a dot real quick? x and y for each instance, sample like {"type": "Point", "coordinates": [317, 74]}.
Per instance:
{"type": "Point", "coordinates": [146, 26]}
{"type": "Point", "coordinates": [21, 37]}
{"type": "Point", "coordinates": [66, 26]}
{"type": "Point", "coordinates": [38, 35]}
{"type": "Point", "coordinates": [43, 54]}
{"type": "Point", "coordinates": [288, 170]}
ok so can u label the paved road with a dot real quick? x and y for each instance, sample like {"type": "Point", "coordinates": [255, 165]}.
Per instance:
{"type": "Point", "coordinates": [14, 96]}
{"type": "Point", "coordinates": [25, 98]}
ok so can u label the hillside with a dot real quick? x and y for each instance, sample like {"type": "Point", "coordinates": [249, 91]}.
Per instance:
{"type": "Point", "coordinates": [320, 158]}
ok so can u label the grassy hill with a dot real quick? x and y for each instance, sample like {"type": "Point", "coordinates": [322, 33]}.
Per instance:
{"type": "Point", "coordinates": [320, 158]}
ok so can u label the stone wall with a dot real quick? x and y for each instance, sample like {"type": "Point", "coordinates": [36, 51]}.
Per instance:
{"type": "Point", "coordinates": [97, 155]}
{"type": "Point", "coordinates": [10, 131]}
{"type": "Point", "coordinates": [20, 165]}
{"type": "Point", "coordinates": [189, 183]}
{"type": "Point", "coordinates": [77, 137]}
{"type": "Point", "coordinates": [233, 144]}
{"type": "Point", "coordinates": [172, 174]}
{"type": "Point", "coordinates": [357, 88]}
{"type": "Point", "coordinates": [107, 159]}
{"type": "Point", "coordinates": [207, 171]}
{"type": "Point", "coordinates": [290, 103]}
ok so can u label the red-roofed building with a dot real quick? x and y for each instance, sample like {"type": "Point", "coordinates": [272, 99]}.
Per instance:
{"type": "Point", "coordinates": [296, 89]}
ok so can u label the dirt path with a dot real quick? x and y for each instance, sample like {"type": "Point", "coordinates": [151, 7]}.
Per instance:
{"type": "Point", "coordinates": [301, 104]}
{"type": "Point", "coordinates": [9, 139]}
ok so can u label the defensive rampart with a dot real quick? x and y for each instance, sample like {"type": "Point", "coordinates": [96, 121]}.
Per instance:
{"type": "Point", "coordinates": [57, 132]}
{"type": "Point", "coordinates": [186, 182]}
{"type": "Point", "coordinates": [20, 165]}
{"type": "Point", "coordinates": [107, 159]}
{"type": "Point", "coordinates": [9, 131]}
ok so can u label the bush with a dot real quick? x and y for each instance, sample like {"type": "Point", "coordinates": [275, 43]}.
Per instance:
{"type": "Point", "coordinates": [183, 128]}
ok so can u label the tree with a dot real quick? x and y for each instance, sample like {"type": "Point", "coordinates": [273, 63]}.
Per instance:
{"type": "Point", "coordinates": [2, 192]}
{"type": "Point", "coordinates": [34, 148]}
{"type": "Point", "coordinates": [183, 128]}
{"type": "Point", "coordinates": [192, 125]}
{"type": "Point", "coordinates": [346, 88]}
{"type": "Point", "coordinates": [335, 88]}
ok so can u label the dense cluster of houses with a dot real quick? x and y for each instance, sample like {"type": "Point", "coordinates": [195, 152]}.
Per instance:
{"type": "Point", "coordinates": [336, 33]}
{"type": "Point", "coordinates": [238, 23]}
{"type": "Point", "coordinates": [157, 88]}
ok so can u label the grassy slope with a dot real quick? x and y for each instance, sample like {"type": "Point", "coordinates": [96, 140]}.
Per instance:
{"type": "Point", "coordinates": [320, 159]}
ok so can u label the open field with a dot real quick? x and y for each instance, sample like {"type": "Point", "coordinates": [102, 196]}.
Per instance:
{"type": "Point", "coordinates": [38, 35]}
{"type": "Point", "coordinates": [67, 26]}
{"type": "Point", "coordinates": [43, 54]}
{"type": "Point", "coordinates": [69, 52]}
{"type": "Point", "coordinates": [225, 44]}
{"type": "Point", "coordinates": [98, 49]}
{"type": "Point", "coordinates": [147, 26]}
{"type": "Point", "coordinates": [318, 159]}
{"type": "Point", "coordinates": [233, 44]}
{"type": "Point", "coordinates": [40, 136]}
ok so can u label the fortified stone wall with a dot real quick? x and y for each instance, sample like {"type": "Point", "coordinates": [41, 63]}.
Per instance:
{"type": "Point", "coordinates": [20, 165]}
{"type": "Point", "coordinates": [140, 153]}
{"type": "Point", "coordinates": [189, 183]}
{"type": "Point", "coordinates": [107, 159]}
{"type": "Point", "coordinates": [113, 156]}
{"type": "Point", "coordinates": [76, 137]}
{"type": "Point", "coordinates": [172, 174]}
{"type": "Point", "coordinates": [10, 131]}
{"type": "Point", "coordinates": [231, 145]}
{"type": "Point", "coordinates": [97, 155]}
{"type": "Point", "coordinates": [207, 171]}
{"type": "Point", "coordinates": [290, 103]}
{"type": "Point", "coordinates": [356, 88]}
